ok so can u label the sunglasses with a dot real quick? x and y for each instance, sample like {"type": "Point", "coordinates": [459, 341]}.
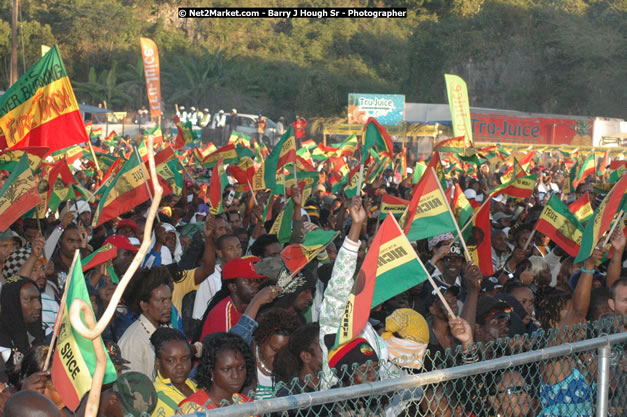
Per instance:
{"type": "Point", "coordinates": [516, 389]}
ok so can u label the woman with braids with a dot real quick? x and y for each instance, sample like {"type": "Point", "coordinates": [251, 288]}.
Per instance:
{"type": "Point", "coordinates": [226, 367]}
{"type": "Point", "coordinates": [173, 360]}
{"type": "Point", "coordinates": [564, 390]}
{"type": "Point", "coordinates": [274, 331]}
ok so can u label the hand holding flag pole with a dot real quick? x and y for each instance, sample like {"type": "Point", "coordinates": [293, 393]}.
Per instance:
{"type": "Point", "coordinates": [533, 232]}
{"type": "Point", "coordinates": [92, 329]}
{"type": "Point", "coordinates": [619, 219]}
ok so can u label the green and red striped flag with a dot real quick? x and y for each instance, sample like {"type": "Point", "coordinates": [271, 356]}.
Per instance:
{"type": "Point", "coordinates": [453, 145]}
{"type": "Point", "coordinates": [519, 187]}
{"type": "Point", "coordinates": [228, 153]}
{"type": "Point", "coordinates": [559, 224]}
{"type": "Point", "coordinates": [378, 168]}
{"type": "Point", "coordinates": [102, 255]}
{"type": "Point", "coordinates": [586, 169]}
{"type": "Point", "coordinates": [127, 190]}
{"type": "Point", "coordinates": [240, 138]}
{"type": "Point", "coordinates": [74, 359]}
{"type": "Point", "coordinates": [283, 153]}
{"type": "Point", "coordinates": [18, 194]}
{"type": "Point", "coordinates": [59, 180]}
{"type": "Point", "coordinates": [602, 219]}
{"type": "Point", "coordinates": [40, 108]}
{"type": "Point", "coordinates": [347, 147]}
{"type": "Point", "coordinates": [394, 205]}
{"type": "Point", "coordinates": [582, 209]}
{"type": "Point", "coordinates": [350, 189]}
{"type": "Point", "coordinates": [282, 226]}
{"type": "Point", "coordinates": [427, 214]}
{"type": "Point", "coordinates": [185, 133]}
{"type": "Point", "coordinates": [604, 163]}
{"type": "Point", "coordinates": [219, 181]}
{"type": "Point", "coordinates": [70, 154]}
{"type": "Point", "coordinates": [9, 158]}
{"type": "Point", "coordinates": [516, 170]}
{"type": "Point", "coordinates": [460, 206]}
{"type": "Point", "coordinates": [375, 136]}
{"type": "Point", "coordinates": [480, 241]}
{"type": "Point", "coordinates": [389, 257]}
{"type": "Point", "coordinates": [297, 256]}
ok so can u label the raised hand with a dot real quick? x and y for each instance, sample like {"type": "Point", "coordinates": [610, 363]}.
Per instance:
{"type": "Point", "coordinates": [297, 196]}
{"type": "Point", "coordinates": [357, 211]}
{"type": "Point", "coordinates": [461, 330]}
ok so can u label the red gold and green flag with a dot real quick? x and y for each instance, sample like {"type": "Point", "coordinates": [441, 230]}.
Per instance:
{"type": "Point", "coordinates": [419, 170]}
{"type": "Point", "coordinates": [518, 188]}
{"type": "Point", "coordinates": [40, 108]}
{"type": "Point", "coordinates": [389, 257]}
{"type": "Point", "coordinates": [9, 158]}
{"type": "Point", "coordinates": [185, 133]}
{"type": "Point", "coordinates": [586, 169]}
{"type": "Point", "coordinates": [74, 359]}
{"type": "Point", "coordinates": [602, 219]}
{"type": "Point", "coordinates": [127, 190]}
{"type": "Point", "coordinates": [516, 170]}
{"type": "Point", "coordinates": [375, 137]}
{"type": "Point", "coordinates": [427, 214]}
{"type": "Point", "coordinates": [70, 154]}
{"type": "Point", "coordinates": [219, 181]}
{"type": "Point", "coordinates": [401, 164]}
{"type": "Point", "coordinates": [460, 206]}
{"type": "Point", "coordinates": [228, 153]}
{"type": "Point", "coordinates": [582, 209]}
{"type": "Point", "coordinates": [282, 226]}
{"type": "Point", "coordinates": [460, 109]}
{"type": "Point", "coordinates": [102, 255]}
{"type": "Point", "coordinates": [297, 256]}
{"type": "Point", "coordinates": [240, 138]}
{"type": "Point", "coordinates": [59, 181]}
{"type": "Point", "coordinates": [283, 153]}
{"type": "Point", "coordinates": [347, 147]}
{"type": "Point", "coordinates": [394, 205]}
{"type": "Point", "coordinates": [604, 163]}
{"type": "Point", "coordinates": [559, 224]}
{"type": "Point", "coordinates": [322, 152]}
{"type": "Point", "coordinates": [453, 145]}
{"type": "Point", "coordinates": [480, 241]}
{"type": "Point", "coordinates": [18, 194]}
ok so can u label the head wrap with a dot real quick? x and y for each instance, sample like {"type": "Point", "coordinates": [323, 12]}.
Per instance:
{"type": "Point", "coordinates": [15, 261]}
{"type": "Point", "coordinates": [357, 351]}
{"type": "Point", "coordinates": [407, 350]}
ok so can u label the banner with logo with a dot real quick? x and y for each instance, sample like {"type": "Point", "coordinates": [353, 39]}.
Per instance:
{"type": "Point", "coordinates": [150, 57]}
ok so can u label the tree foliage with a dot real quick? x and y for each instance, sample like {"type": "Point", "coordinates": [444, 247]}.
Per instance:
{"type": "Point", "coordinates": [560, 56]}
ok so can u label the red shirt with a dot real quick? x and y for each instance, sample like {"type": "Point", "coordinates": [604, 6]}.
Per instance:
{"type": "Point", "coordinates": [223, 316]}
{"type": "Point", "coordinates": [202, 400]}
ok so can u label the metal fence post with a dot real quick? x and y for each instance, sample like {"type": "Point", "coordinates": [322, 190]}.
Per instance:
{"type": "Point", "coordinates": [603, 379]}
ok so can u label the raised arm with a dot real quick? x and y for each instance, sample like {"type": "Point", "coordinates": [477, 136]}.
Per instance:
{"type": "Point", "coordinates": [581, 296]}
{"type": "Point", "coordinates": [616, 263]}
{"type": "Point", "coordinates": [208, 263]}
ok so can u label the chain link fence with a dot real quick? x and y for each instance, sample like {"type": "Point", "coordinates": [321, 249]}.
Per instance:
{"type": "Point", "coordinates": [579, 371]}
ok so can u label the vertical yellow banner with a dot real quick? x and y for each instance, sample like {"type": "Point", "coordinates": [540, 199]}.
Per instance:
{"type": "Point", "coordinates": [460, 109]}
{"type": "Point", "coordinates": [150, 57]}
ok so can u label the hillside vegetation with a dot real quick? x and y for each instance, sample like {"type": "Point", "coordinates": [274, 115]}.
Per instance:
{"type": "Point", "coordinates": [558, 56]}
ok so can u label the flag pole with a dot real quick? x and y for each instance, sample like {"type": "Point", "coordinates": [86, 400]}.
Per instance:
{"type": "Point", "coordinates": [533, 232]}
{"type": "Point", "coordinates": [609, 234]}
{"type": "Point", "coordinates": [361, 178]}
{"type": "Point", "coordinates": [57, 321]}
{"type": "Point", "coordinates": [252, 192]}
{"type": "Point", "coordinates": [448, 206]}
{"type": "Point", "coordinates": [436, 288]}
{"type": "Point", "coordinates": [141, 163]}
{"type": "Point", "coordinates": [94, 155]}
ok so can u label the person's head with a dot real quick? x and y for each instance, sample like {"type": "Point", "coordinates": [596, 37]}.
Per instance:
{"type": "Point", "coordinates": [235, 219]}
{"type": "Point", "coordinates": [599, 303]}
{"type": "Point", "coordinates": [228, 247]}
{"type": "Point", "coordinates": [84, 213]}
{"type": "Point", "coordinates": [521, 235]}
{"type": "Point", "coordinates": [241, 279]}
{"type": "Point", "coordinates": [243, 237]}
{"type": "Point", "coordinates": [618, 297]}
{"type": "Point", "coordinates": [133, 393]}
{"type": "Point", "coordinates": [173, 355]}
{"type": "Point", "coordinates": [499, 241]}
{"type": "Point", "coordinates": [275, 328]}
{"type": "Point", "coordinates": [221, 229]}
{"type": "Point", "coordinates": [28, 403]}
{"type": "Point", "coordinates": [70, 241]}
{"type": "Point", "coordinates": [7, 245]}
{"type": "Point", "coordinates": [493, 319]}
{"type": "Point", "coordinates": [541, 239]}
{"type": "Point", "coordinates": [127, 227]}
{"type": "Point", "coordinates": [126, 253]}
{"type": "Point", "coordinates": [331, 252]}
{"type": "Point", "coordinates": [31, 230]}
{"type": "Point", "coordinates": [296, 293]}
{"type": "Point", "coordinates": [551, 306]}
{"type": "Point", "coordinates": [523, 272]}
{"type": "Point", "coordinates": [452, 263]}
{"type": "Point", "coordinates": [511, 395]}
{"type": "Point", "coordinates": [301, 356]}
{"type": "Point", "coordinates": [355, 362]}
{"type": "Point", "coordinates": [226, 363]}
{"type": "Point", "coordinates": [437, 308]}
{"type": "Point", "coordinates": [152, 295]}
{"type": "Point", "coordinates": [541, 270]}
{"type": "Point", "coordinates": [266, 246]}
{"type": "Point", "coordinates": [522, 293]}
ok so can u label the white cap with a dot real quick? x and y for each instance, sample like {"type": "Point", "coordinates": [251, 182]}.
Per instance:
{"type": "Point", "coordinates": [470, 194]}
{"type": "Point", "coordinates": [409, 171]}
{"type": "Point", "coordinates": [234, 110]}
{"type": "Point", "coordinates": [500, 198]}
{"type": "Point", "coordinates": [193, 108]}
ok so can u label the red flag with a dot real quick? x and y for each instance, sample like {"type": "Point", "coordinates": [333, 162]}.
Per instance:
{"type": "Point", "coordinates": [480, 246]}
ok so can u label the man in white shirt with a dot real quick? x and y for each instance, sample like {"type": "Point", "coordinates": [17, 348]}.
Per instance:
{"type": "Point", "coordinates": [150, 295]}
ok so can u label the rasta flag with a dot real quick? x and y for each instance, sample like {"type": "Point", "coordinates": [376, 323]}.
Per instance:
{"type": "Point", "coordinates": [127, 190]}
{"type": "Point", "coordinates": [586, 169]}
{"type": "Point", "coordinates": [394, 205]}
{"type": "Point", "coordinates": [282, 226]}
{"type": "Point", "coordinates": [283, 153]}
{"type": "Point", "coordinates": [582, 209]}
{"type": "Point", "coordinates": [297, 256]}
{"type": "Point", "coordinates": [460, 206]}
{"type": "Point", "coordinates": [389, 268]}
{"type": "Point", "coordinates": [516, 170]}
{"type": "Point", "coordinates": [375, 136]}
{"type": "Point", "coordinates": [602, 219]}
{"type": "Point", "coordinates": [347, 146]}
{"type": "Point", "coordinates": [480, 241]}
{"type": "Point", "coordinates": [219, 181]}
{"type": "Point", "coordinates": [228, 153]}
{"type": "Point", "coordinates": [74, 360]}
{"type": "Point", "coordinates": [185, 133]}
{"type": "Point", "coordinates": [18, 194]}
{"type": "Point", "coordinates": [453, 145]}
{"type": "Point", "coordinates": [518, 187]}
{"type": "Point", "coordinates": [427, 214]}
{"type": "Point", "coordinates": [40, 108]}
{"type": "Point", "coordinates": [102, 255]}
{"type": "Point", "coordinates": [560, 225]}
{"type": "Point", "coordinates": [9, 158]}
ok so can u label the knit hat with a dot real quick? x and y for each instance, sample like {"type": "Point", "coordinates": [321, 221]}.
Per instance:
{"type": "Point", "coordinates": [15, 261]}
{"type": "Point", "coordinates": [312, 211]}
{"type": "Point", "coordinates": [136, 394]}
{"type": "Point", "coordinates": [357, 351]}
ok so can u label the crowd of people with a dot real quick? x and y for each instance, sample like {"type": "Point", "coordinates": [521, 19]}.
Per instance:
{"type": "Point", "coordinates": [214, 317]}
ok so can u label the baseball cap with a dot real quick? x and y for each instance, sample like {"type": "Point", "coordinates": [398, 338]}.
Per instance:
{"type": "Point", "coordinates": [490, 284]}
{"type": "Point", "coordinates": [500, 215]}
{"type": "Point", "coordinates": [433, 296]}
{"type": "Point", "coordinates": [455, 250]}
{"type": "Point", "coordinates": [128, 223]}
{"type": "Point", "coordinates": [241, 268]}
{"type": "Point", "coordinates": [120, 242]}
{"type": "Point", "coordinates": [491, 307]}
{"type": "Point", "coordinates": [136, 393]}
{"type": "Point", "coordinates": [270, 267]}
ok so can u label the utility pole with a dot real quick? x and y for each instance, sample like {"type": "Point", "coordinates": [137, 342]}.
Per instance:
{"type": "Point", "coordinates": [13, 73]}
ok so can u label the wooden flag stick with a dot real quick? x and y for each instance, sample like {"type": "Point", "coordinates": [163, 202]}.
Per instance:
{"type": "Point", "coordinates": [533, 232]}
{"type": "Point", "coordinates": [619, 219]}
{"type": "Point", "coordinates": [448, 206]}
{"type": "Point", "coordinates": [57, 321]}
{"type": "Point", "coordinates": [252, 192]}
{"type": "Point", "coordinates": [361, 178]}
{"type": "Point", "coordinates": [92, 330]}
{"type": "Point", "coordinates": [94, 155]}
